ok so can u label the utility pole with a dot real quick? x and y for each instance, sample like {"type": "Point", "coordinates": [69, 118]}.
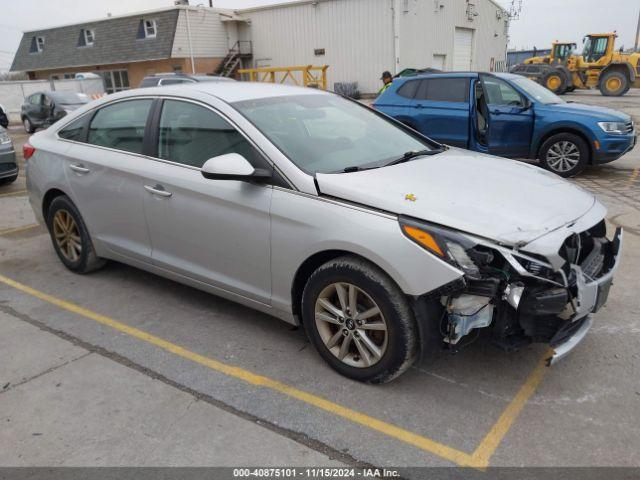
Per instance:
{"type": "Point", "coordinates": [637, 33]}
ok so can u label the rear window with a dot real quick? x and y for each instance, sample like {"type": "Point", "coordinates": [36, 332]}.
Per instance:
{"type": "Point", "coordinates": [444, 90]}
{"type": "Point", "coordinates": [120, 125]}
{"type": "Point", "coordinates": [409, 89]}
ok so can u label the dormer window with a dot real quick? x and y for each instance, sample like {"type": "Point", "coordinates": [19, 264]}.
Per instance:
{"type": "Point", "coordinates": [150, 28]}
{"type": "Point", "coordinates": [88, 38]}
{"type": "Point", "coordinates": [37, 45]}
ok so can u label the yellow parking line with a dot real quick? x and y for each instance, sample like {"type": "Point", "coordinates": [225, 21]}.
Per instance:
{"type": "Point", "coordinates": [633, 177]}
{"type": "Point", "coordinates": [10, 194]}
{"type": "Point", "coordinates": [18, 229]}
{"type": "Point", "coordinates": [426, 444]}
{"type": "Point", "coordinates": [492, 440]}
{"type": "Point", "coordinates": [479, 459]}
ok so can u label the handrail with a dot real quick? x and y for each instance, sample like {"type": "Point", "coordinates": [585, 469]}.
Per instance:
{"type": "Point", "coordinates": [312, 76]}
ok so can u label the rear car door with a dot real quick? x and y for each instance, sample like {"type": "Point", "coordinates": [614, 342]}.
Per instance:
{"type": "Point", "coordinates": [442, 109]}
{"type": "Point", "coordinates": [105, 169]}
{"type": "Point", "coordinates": [213, 231]}
{"type": "Point", "coordinates": [511, 118]}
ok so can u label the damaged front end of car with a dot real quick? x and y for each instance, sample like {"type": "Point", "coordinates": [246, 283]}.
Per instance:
{"type": "Point", "coordinates": [519, 294]}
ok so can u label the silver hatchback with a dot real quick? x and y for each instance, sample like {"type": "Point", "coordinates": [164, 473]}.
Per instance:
{"type": "Point", "coordinates": [318, 210]}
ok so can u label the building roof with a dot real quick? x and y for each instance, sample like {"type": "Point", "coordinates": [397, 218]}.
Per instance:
{"type": "Point", "coordinates": [115, 41]}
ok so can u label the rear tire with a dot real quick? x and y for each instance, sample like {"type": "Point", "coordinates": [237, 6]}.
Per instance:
{"type": "Point", "coordinates": [564, 154]}
{"type": "Point", "coordinates": [70, 237]}
{"type": "Point", "coordinates": [614, 84]}
{"type": "Point", "coordinates": [361, 345]}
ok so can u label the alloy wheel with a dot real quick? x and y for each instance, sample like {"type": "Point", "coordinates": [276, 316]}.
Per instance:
{"type": "Point", "coordinates": [351, 325]}
{"type": "Point", "coordinates": [563, 156]}
{"type": "Point", "coordinates": [67, 235]}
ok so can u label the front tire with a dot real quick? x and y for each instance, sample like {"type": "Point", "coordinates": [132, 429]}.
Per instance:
{"type": "Point", "coordinates": [555, 81]}
{"type": "Point", "coordinates": [359, 321]}
{"type": "Point", "coordinates": [70, 237]}
{"type": "Point", "coordinates": [564, 154]}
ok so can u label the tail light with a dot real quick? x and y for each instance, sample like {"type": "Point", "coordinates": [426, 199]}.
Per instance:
{"type": "Point", "coordinates": [28, 151]}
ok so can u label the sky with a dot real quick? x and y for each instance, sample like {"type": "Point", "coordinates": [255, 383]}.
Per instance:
{"type": "Point", "coordinates": [540, 22]}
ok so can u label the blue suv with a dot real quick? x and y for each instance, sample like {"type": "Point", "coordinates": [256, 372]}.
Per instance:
{"type": "Point", "coordinates": [510, 116]}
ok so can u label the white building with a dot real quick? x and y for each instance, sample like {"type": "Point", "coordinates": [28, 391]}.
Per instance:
{"type": "Point", "coordinates": [359, 39]}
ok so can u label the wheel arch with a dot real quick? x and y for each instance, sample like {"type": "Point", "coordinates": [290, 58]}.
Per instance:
{"type": "Point", "coordinates": [564, 129]}
{"type": "Point", "coordinates": [311, 264]}
{"type": "Point", "coordinates": [48, 198]}
{"type": "Point", "coordinates": [624, 67]}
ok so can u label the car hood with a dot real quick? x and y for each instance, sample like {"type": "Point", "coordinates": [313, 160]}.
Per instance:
{"type": "Point", "coordinates": [599, 113]}
{"type": "Point", "coordinates": [504, 200]}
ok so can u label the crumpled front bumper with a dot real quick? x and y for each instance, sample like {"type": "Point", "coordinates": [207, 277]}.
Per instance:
{"type": "Point", "coordinates": [592, 294]}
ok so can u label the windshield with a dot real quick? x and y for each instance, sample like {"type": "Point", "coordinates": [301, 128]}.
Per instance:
{"type": "Point", "coordinates": [537, 91]}
{"type": "Point", "coordinates": [68, 98]}
{"type": "Point", "coordinates": [327, 134]}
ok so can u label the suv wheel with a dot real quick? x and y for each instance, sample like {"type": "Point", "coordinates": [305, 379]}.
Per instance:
{"type": "Point", "coordinates": [70, 237]}
{"type": "Point", "coordinates": [359, 321]}
{"type": "Point", "coordinates": [28, 127]}
{"type": "Point", "coordinates": [565, 154]}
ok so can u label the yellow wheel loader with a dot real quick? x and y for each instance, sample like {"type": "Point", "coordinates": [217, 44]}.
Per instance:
{"type": "Point", "coordinates": [599, 66]}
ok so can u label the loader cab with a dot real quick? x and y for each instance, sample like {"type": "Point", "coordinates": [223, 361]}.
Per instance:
{"type": "Point", "coordinates": [597, 47]}
{"type": "Point", "coordinates": [561, 52]}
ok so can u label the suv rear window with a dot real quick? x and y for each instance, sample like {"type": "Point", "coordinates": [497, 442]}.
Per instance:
{"type": "Point", "coordinates": [409, 89]}
{"type": "Point", "coordinates": [444, 90]}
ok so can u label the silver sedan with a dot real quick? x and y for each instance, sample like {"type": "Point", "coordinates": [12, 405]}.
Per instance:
{"type": "Point", "coordinates": [383, 244]}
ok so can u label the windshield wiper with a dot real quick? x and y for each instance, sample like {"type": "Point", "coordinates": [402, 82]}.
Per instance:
{"type": "Point", "coordinates": [413, 154]}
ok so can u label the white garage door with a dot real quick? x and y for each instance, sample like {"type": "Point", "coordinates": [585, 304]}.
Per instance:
{"type": "Point", "coordinates": [463, 49]}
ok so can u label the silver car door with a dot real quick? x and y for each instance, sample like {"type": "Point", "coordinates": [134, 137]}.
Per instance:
{"type": "Point", "coordinates": [105, 174]}
{"type": "Point", "coordinates": [214, 231]}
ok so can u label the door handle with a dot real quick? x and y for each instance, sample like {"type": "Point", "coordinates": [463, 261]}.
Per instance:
{"type": "Point", "coordinates": [79, 168]}
{"type": "Point", "coordinates": [157, 190]}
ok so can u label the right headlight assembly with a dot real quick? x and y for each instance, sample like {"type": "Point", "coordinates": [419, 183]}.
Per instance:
{"type": "Point", "coordinates": [448, 245]}
{"type": "Point", "coordinates": [613, 127]}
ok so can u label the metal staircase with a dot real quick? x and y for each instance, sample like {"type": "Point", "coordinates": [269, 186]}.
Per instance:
{"type": "Point", "coordinates": [230, 64]}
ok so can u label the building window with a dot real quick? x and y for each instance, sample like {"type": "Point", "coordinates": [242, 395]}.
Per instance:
{"type": "Point", "coordinates": [88, 37]}
{"type": "Point", "coordinates": [150, 27]}
{"type": "Point", "coordinates": [37, 45]}
{"type": "Point", "coordinates": [115, 80]}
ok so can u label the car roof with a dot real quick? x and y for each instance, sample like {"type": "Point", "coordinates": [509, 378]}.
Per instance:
{"type": "Point", "coordinates": [442, 74]}
{"type": "Point", "coordinates": [227, 91]}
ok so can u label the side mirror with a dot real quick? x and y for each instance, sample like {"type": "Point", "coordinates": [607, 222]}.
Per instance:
{"type": "Point", "coordinates": [232, 166]}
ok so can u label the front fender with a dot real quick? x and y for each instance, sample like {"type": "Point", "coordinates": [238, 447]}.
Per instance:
{"type": "Point", "coordinates": [304, 225]}
{"type": "Point", "coordinates": [627, 66]}
{"type": "Point", "coordinates": [541, 134]}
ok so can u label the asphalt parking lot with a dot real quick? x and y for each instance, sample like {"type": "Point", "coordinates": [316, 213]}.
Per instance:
{"type": "Point", "coordinates": [479, 407]}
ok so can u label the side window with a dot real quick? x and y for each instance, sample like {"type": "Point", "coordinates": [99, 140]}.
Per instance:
{"type": "Point", "coordinates": [120, 126]}
{"type": "Point", "coordinates": [35, 99]}
{"type": "Point", "coordinates": [444, 90]}
{"type": "Point", "coordinates": [76, 130]}
{"type": "Point", "coordinates": [409, 89]}
{"type": "Point", "coordinates": [191, 134]}
{"type": "Point", "coordinates": [500, 92]}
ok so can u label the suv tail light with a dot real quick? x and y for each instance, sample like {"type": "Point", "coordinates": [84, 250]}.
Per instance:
{"type": "Point", "coordinates": [28, 151]}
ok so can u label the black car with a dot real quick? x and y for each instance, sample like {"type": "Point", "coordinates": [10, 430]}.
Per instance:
{"type": "Point", "coordinates": [4, 117]}
{"type": "Point", "coordinates": [41, 109]}
{"type": "Point", "coordinates": [160, 79]}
